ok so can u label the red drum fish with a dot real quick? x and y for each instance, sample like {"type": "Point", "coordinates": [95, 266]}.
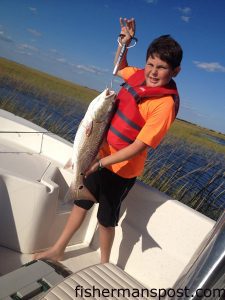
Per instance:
{"type": "Point", "coordinates": [87, 142]}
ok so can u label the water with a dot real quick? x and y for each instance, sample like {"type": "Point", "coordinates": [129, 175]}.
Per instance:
{"type": "Point", "coordinates": [67, 115]}
{"type": "Point", "coordinates": [214, 139]}
{"type": "Point", "coordinates": [195, 172]}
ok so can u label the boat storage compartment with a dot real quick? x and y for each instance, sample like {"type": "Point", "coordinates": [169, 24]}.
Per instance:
{"type": "Point", "coordinates": [32, 211]}
{"type": "Point", "coordinates": [32, 280]}
{"type": "Point", "coordinates": [33, 184]}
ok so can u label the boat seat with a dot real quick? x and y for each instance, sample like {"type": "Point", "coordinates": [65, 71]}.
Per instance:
{"type": "Point", "coordinates": [102, 281]}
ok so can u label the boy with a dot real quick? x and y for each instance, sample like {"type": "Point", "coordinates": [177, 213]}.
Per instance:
{"type": "Point", "coordinates": [147, 106]}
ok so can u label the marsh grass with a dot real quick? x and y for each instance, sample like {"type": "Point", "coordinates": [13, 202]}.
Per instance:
{"type": "Point", "coordinates": [187, 166]}
{"type": "Point", "coordinates": [64, 125]}
{"type": "Point", "coordinates": [190, 174]}
{"type": "Point", "coordinates": [42, 85]}
{"type": "Point", "coordinates": [197, 135]}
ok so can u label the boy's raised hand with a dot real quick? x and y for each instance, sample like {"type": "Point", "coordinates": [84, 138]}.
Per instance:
{"type": "Point", "coordinates": [128, 27]}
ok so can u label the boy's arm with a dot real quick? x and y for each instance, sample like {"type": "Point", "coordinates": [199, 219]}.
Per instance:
{"type": "Point", "coordinates": [124, 154]}
{"type": "Point", "coordinates": [127, 32]}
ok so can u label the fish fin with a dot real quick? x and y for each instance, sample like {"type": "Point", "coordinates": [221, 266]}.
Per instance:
{"type": "Point", "coordinates": [68, 164]}
{"type": "Point", "coordinates": [89, 128]}
{"type": "Point", "coordinates": [79, 193]}
{"type": "Point", "coordinates": [85, 194]}
{"type": "Point", "coordinates": [69, 197]}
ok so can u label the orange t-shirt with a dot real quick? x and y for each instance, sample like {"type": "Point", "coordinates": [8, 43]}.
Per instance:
{"type": "Point", "coordinates": [159, 113]}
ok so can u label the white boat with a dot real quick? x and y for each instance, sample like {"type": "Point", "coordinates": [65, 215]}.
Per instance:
{"type": "Point", "coordinates": [156, 238]}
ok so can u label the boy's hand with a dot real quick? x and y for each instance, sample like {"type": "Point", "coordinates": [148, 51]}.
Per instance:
{"type": "Point", "coordinates": [93, 168]}
{"type": "Point", "coordinates": [128, 27]}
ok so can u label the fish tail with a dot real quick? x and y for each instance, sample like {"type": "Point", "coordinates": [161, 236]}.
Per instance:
{"type": "Point", "coordinates": [71, 195]}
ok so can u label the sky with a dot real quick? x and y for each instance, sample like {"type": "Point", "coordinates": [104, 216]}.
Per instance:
{"type": "Point", "coordinates": [76, 40]}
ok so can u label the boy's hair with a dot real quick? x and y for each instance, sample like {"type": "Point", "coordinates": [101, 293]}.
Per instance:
{"type": "Point", "coordinates": [167, 49]}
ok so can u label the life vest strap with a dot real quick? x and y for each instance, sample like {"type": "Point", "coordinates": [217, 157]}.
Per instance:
{"type": "Point", "coordinates": [128, 121]}
{"type": "Point", "coordinates": [130, 89]}
{"type": "Point", "coordinates": [120, 135]}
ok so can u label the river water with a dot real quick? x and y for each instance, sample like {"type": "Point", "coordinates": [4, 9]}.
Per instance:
{"type": "Point", "coordinates": [175, 168]}
{"type": "Point", "coordinates": [69, 113]}
{"type": "Point", "coordinates": [214, 139]}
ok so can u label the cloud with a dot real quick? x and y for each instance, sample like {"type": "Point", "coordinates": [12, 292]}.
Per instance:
{"type": "Point", "coordinates": [185, 18]}
{"type": "Point", "coordinates": [34, 32]}
{"type": "Point", "coordinates": [61, 60]}
{"type": "Point", "coordinates": [91, 69]}
{"type": "Point", "coordinates": [185, 13]}
{"type": "Point", "coordinates": [151, 1]}
{"type": "Point", "coordinates": [27, 53]}
{"type": "Point", "coordinates": [4, 37]}
{"type": "Point", "coordinates": [55, 55]}
{"type": "Point", "coordinates": [184, 10]}
{"type": "Point", "coordinates": [26, 49]}
{"type": "Point", "coordinates": [33, 10]}
{"type": "Point", "coordinates": [210, 66]}
{"type": "Point", "coordinates": [54, 51]}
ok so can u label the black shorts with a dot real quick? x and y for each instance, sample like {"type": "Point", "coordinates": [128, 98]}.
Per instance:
{"type": "Point", "coordinates": [109, 190]}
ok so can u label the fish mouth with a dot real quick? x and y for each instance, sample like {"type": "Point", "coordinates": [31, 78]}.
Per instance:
{"type": "Point", "coordinates": [109, 93]}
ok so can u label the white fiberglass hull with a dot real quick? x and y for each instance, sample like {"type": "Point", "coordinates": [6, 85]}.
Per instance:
{"type": "Point", "coordinates": [156, 236]}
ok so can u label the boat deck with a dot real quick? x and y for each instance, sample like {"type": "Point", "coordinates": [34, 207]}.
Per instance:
{"type": "Point", "coordinates": [76, 258]}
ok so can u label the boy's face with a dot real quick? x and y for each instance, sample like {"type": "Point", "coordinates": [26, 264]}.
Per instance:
{"type": "Point", "coordinates": [158, 72]}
